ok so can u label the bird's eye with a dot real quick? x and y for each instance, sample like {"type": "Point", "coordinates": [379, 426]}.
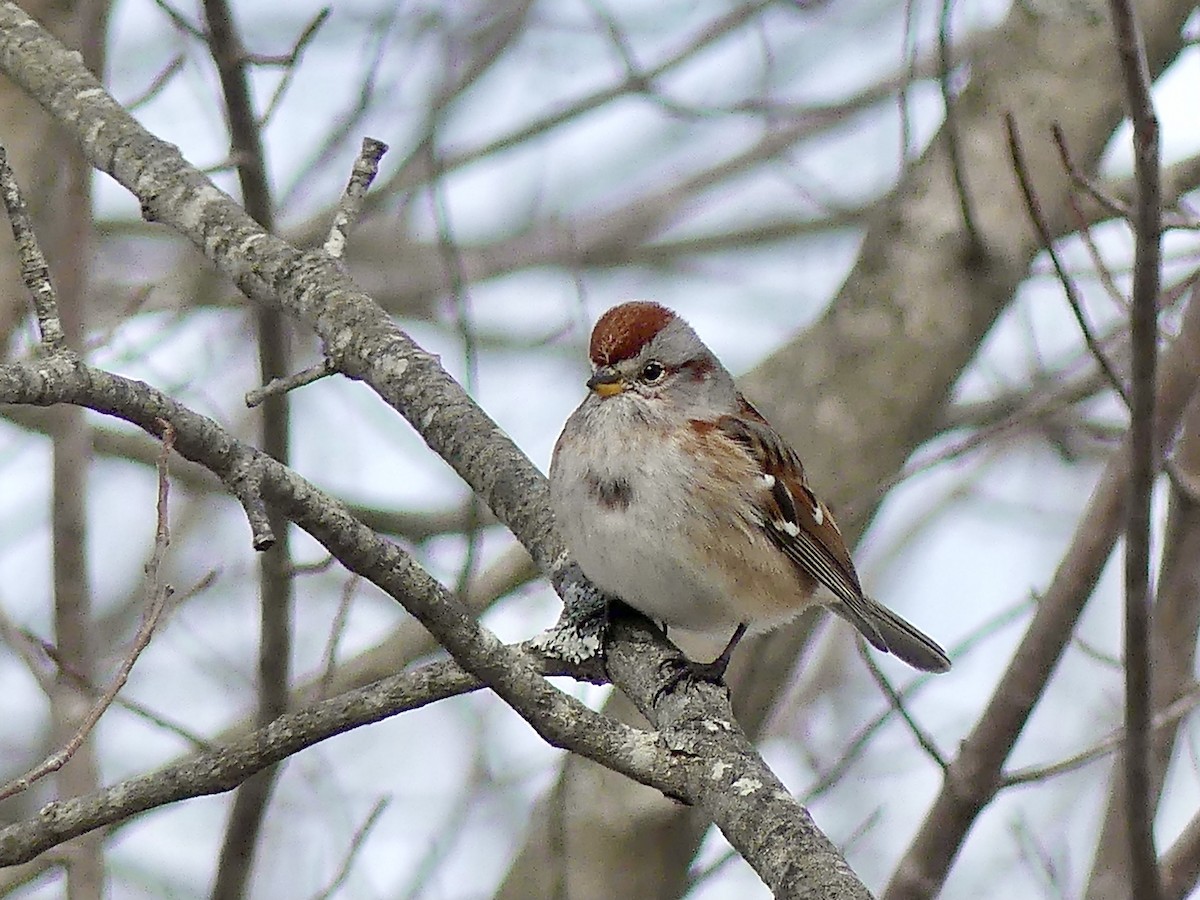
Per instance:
{"type": "Point", "coordinates": [652, 372]}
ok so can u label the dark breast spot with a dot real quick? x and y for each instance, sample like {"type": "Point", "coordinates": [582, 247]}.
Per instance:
{"type": "Point", "coordinates": [611, 493]}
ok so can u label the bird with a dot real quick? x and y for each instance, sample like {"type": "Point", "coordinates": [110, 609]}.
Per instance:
{"type": "Point", "coordinates": [675, 495]}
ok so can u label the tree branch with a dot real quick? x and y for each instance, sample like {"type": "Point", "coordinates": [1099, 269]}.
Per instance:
{"type": "Point", "coordinates": [1147, 259]}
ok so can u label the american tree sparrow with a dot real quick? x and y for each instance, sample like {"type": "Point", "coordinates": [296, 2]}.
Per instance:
{"type": "Point", "coordinates": [676, 496]}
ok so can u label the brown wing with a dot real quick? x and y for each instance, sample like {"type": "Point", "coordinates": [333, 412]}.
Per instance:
{"type": "Point", "coordinates": [799, 523]}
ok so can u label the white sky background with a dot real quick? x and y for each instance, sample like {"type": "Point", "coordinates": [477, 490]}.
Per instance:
{"type": "Point", "coordinates": [990, 546]}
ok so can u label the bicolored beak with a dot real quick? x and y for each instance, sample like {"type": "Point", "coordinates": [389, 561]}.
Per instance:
{"type": "Point", "coordinates": [606, 382]}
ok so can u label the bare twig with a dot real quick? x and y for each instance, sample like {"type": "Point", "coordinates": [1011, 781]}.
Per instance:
{"type": "Point", "coordinates": [1147, 230]}
{"type": "Point", "coordinates": [156, 597]}
{"type": "Point", "coordinates": [1098, 264]}
{"type": "Point", "coordinates": [412, 525]}
{"type": "Point", "coordinates": [413, 172]}
{"type": "Point", "coordinates": [343, 125]}
{"type": "Point", "coordinates": [25, 641]}
{"type": "Point", "coordinates": [1039, 857]}
{"type": "Point", "coordinates": [1033, 207]}
{"type": "Point", "coordinates": [289, 61]}
{"type": "Point", "coordinates": [861, 740]}
{"type": "Point", "coordinates": [244, 481]}
{"type": "Point", "coordinates": [23, 644]}
{"type": "Point", "coordinates": [356, 843]}
{"type": "Point", "coordinates": [902, 95]}
{"type": "Point", "coordinates": [366, 167]}
{"type": "Point", "coordinates": [1107, 200]}
{"type": "Point", "coordinates": [896, 701]}
{"type": "Point", "coordinates": [35, 273]}
{"type": "Point", "coordinates": [1081, 221]}
{"type": "Point", "coordinates": [1181, 863]}
{"type": "Point", "coordinates": [453, 822]}
{"type": "Point", "coordinates": [161, 80]}
{"type": "Point", "coordinates": [975, 245]}
{"type": "Point", "coordinates": [277, 387]}
{"type": "Point", "coordinates": [456, 279]}
{"type": "Point", "coordinates": [1173, 628]}
{"type": "Point", "coordinates": [1162, 720]}
{"type": "Point", "coordinates": [340, 618]}
{"type": "Point", "coordinates": [182, 22]}
{"type": "Point", "coordinates": [1093, 190]}
{"type": "Point", "coordinates": [324, 564]}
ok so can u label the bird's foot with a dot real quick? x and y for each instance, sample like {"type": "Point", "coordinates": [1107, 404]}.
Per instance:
{"type": "Point", "coordinates": [680, 669]}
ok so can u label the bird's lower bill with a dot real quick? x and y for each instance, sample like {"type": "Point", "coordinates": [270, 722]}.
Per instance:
{"type": "Point", "coordinates": [609, 388]}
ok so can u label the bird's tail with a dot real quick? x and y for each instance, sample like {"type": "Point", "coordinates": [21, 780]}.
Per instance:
{"type": "Point", "coordinates": [888, 632]}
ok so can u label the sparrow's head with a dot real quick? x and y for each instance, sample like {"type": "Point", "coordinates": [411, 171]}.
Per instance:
{"type": "Point", "coordinates": [643, 350]}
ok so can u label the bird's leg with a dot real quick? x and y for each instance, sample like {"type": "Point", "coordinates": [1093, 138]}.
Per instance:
{"type": "Point", "coordinates": [713, 672]}
{"type": "Point", "coordinates": [721, 663]}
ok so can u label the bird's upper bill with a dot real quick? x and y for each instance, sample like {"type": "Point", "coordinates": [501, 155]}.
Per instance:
{"type": "Point", "coordinates": [607, 382]}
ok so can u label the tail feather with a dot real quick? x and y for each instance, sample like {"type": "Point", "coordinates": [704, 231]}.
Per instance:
{"type": "Point", "coordinates": [888, 632]}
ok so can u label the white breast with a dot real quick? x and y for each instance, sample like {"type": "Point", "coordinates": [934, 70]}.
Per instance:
{"type": "Point", "coordinates": [629, 518]}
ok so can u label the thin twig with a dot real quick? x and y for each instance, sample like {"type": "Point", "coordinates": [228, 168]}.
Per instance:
{"type": "Point", "coordinates": [279, 386]}
{"type": "Point", "coordinates": [35, 273]}
{"type": "Point", "coordinates": [225, 766]}
{"type": "Point", "coordinates": [1098, 264]}
{"type": "Point", "coordinates": [1033, 207]}
{"type": "Point", "coordinates": [902, 94]}
{"type": "Point", "coordinates": [862, 739]}
{"type": "Point", "coordinates": [156, 594]}
{"type": "Point", "coordinates": [181, 21]}
{"type": "Point", "coordinates": [981, 436]}
{"type": "Point", "coordinates": [456, 276]}
{"type": "Point", "coordinates": [23, 644]}
{"type": "Point", "coordinates": [336, 630]}
{"type": "Point", "coordinates": [1102, 748]}
{"type": "Point", "coordinates": [290, 58]}
{"type": "Point", "coordinates": [897, 703]}
{"type": "Point", "coordinates": [1081, 222]}
{"type": "Point", "coordinates": [289, 61]}
{"type": "Point", "coordinates": [1033, 850]}
{"type": "Point", "coordinates": [412, 172]}
{"type": "Point", "coordinates": [324, 564]}
{"type": "Point", "coordinates": [366, 167]}
{"type": "Point", "coordinates": [453, 824]}
{"type": "Point", "coordinates": [1147, 258]}
{"type": "Point", "coordinates": [634, 77]}
{"type": "Point", "coordinates": [25, 641]}
{"type": "Point", "coordinates": [345, 123]}
{"type": "Point", "coordinates": [1170, 218]}
{"type": "Point", "coordinates": [161, 80]}
{"type": "Point", "coordinates": [975, 245]}
{"type": "Point", "coordinates": [356, 844]}
{"type": "Point", "coordinates": [1080, 180]}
